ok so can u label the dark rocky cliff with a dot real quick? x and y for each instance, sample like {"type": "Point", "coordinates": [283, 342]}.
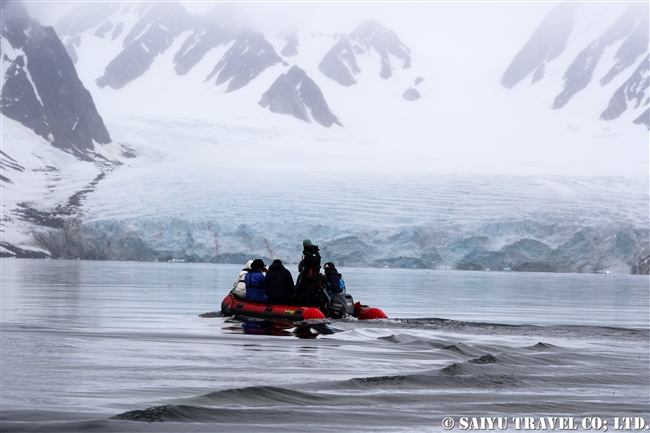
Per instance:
{"type": "Point", "coordinates": [293, 93]}
{"type": "Point", "coordinates": [152, 35]}
{"type": "Point", "coordinates": [634, 89]}
{"type": "Point", "coordinates": [203, 39]}
{"type": "Point", "coordinates": [546, 43]}
{"type": "Point", "coordinates": [291, 48]}
{"type": "Point", "coordinates": [340, 62]}
{"type": "Point", "coordinates": [629, 31]}
{"type": "Point", "coordinates": [42, 90]}
{"type": "Point", "coordinates": [246, 59]}
{"type": "Point", "coordinates": [632, 28]}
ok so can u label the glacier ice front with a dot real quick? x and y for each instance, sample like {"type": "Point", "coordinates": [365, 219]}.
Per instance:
{"type": "Point", "coordinates": [552, 224]}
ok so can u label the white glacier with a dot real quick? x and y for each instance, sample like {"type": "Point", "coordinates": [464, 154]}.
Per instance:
{"type": "Point", "coordinates": [188, 195]}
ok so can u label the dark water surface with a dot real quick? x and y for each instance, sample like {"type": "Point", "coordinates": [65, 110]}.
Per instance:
{"type": "Point", "coordinates": [120, 346]}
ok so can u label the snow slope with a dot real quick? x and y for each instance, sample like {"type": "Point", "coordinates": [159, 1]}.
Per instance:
{"type": "Point", "coordinates": [42, 186]}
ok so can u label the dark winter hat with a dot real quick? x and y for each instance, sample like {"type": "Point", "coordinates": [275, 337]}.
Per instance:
{"type": "Point", "coordinates": [306, 242]}
{"type": "Point", "coordinates": [329, 266]}
{"type": "Point", "coordinates": [257, 264]}
{"type": "Point", "coordinates": [277, 262]}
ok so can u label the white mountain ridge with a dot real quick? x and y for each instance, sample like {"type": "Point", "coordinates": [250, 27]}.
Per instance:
{"type": "Point", "coordinates": [151, 29]}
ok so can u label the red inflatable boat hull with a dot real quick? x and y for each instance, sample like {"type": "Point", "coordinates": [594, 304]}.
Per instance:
{"type": "Point", "coordinates": [232, 306]}
{"type": "Point", "coordinates": [369, 313]}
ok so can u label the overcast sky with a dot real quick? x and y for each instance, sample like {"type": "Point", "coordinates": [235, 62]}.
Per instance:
{"type": "Point", "coordinates": [325, 16]}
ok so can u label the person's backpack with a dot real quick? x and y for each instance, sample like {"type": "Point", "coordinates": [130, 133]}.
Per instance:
{"type": "Point", "coordinates": [239, 287]}
{"type": "Point", "coordinates": [311, 260]}
{"type": "Point", "coordinates": [340, 283]}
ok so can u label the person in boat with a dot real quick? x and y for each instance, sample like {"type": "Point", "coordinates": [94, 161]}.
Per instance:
{"type": "Point", "coordinates": [279, 284]}
{"type": "Point", "coordinates": [255, 282]}
{"type": "Point", "coordinates": [308, 286]}
{"type": "Point", "coordinates": [333, 282]}
{"type": "Point", "coordinates": [239, 286]}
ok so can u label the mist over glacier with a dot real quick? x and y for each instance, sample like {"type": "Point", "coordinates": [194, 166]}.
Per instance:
{"type": "Point", "coordinates": [472, 175]}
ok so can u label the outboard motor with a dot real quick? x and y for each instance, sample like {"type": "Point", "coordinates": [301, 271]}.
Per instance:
{"type": "Point", "coordinates": [341, 304]}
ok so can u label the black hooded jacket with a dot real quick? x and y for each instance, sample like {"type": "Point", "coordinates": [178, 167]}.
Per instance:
{"type": "Point", "coordinates": [279, 284]}
{"type": "Point", "coordinates": [310, 263]}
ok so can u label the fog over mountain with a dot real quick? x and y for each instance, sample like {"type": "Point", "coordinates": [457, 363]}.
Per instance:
{"type": "Point", "coordinates": [215, 132]}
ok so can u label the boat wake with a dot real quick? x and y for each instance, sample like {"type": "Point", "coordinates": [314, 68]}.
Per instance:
{"type": "Point", "coordinates": [460, 373]}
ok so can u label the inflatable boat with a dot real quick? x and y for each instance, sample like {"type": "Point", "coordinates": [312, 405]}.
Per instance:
{"type": "Point", "coordinates": [233, 306]}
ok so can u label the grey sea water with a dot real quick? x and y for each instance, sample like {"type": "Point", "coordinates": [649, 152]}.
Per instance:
{"type": "Point", "coordinates": [126, 346]}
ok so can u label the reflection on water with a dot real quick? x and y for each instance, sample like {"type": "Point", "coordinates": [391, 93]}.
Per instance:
{"type": "Point", "coordinates": [252, 326]}
{"type": "Point", "coordinates": [501, 297]}
{"type": "Point", "coordinates": [108, 294]}
{"type": "Point", "coordinates": [122, 294]}
{"type": "Point", "coordinates": [142, 295]}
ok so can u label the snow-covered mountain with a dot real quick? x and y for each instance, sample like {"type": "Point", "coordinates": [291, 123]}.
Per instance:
{"type": "Point", "coordinates": [571, 44]}
{"type": "Point", "coordinates": [56, 148]}
{"type": "Point", "coordinates": [41, 89]}
{"type": "Point", "coordinates": [142, 32]}
{"type": "Point", "coordinates": [293, 93]}
{"type": "Point", "coordinates": [158, 25]}
{"type": "Point", "coordinates": [628, 34]}
{"type": "Point", "coordinates": [248, 140]}
{"type": "Point", "coordinates": [340, 63]}
{"type": "Point", "coordinates": [580, 58]}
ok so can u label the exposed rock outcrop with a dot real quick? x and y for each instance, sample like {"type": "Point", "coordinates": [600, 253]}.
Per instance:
{"type": "Point", "coordinates": [291, 48]}
{"type": "Point", "coordinates": [246, 59]}
{"type": "Point", "coordinates": [283, 98]}
{"type": "Point", "coordinates": [197, 45]}
{"type": "Point", "coordinates": [546, 43]}
{"type": "Point", "coordinates": [642, 266]}
{"type": "Point", "coordinates": [580, 72]}
{"type": "Point", "coordinates": [151, 36]}
{"type": "Point", "coordinates": [411, 94]}
{"type": "Point", "coordinates": [81, 19]}
{"type": "Point", "coordinates": [41, 88]}
{"type": "Point", "coordinates": [643, 119]}
{"type": "Point", "coordinates": [293, 93]}
{"type": "Point", "coordinates": [634, 89]}
{"type": "Point", "coordinates": [340, 63]}
{"type": "Point", "coordinates": [634, 46]}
